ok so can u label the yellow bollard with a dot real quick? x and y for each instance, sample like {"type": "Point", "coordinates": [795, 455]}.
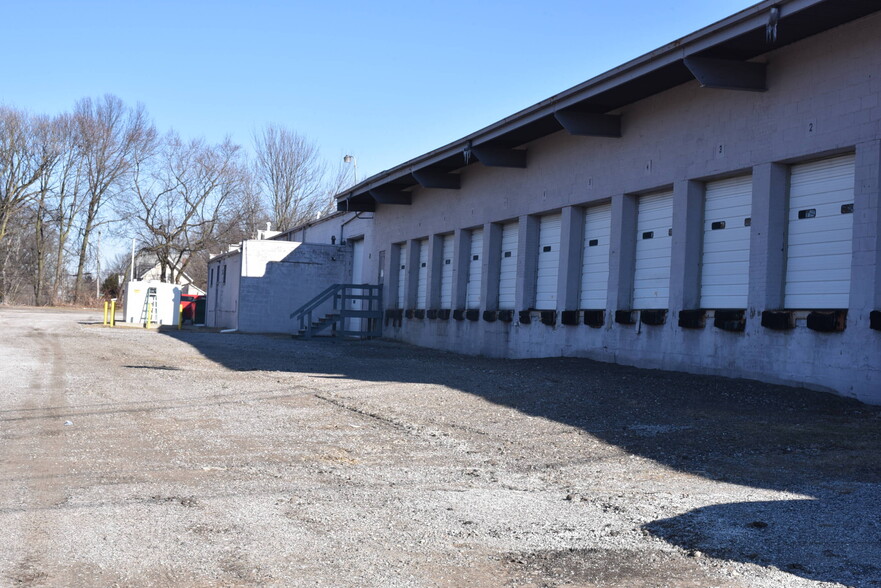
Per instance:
{"type": "Point", "coordinates": [149, 314]}
{"type": "Point", "coordinates": [105, 313]}
{"type": "Point", "coordinates": [180, 316]}
{"type": "Point", "coordinates": [113, 312]}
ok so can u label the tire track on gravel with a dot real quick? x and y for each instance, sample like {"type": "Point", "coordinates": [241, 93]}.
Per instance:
{"type": "Point", "coordinates": [43, 451]}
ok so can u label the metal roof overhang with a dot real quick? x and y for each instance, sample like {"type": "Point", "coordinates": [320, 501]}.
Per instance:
{"type": "Point", "coordinates": [718, 56]}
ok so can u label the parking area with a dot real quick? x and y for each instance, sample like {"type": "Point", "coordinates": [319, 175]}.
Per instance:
{"type": "Point", "coordinates": [191, 458]}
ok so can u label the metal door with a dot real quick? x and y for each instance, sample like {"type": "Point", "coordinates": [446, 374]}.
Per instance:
{"type": "Point", "coordinates": [446, 285]}
{"type": "Point", "coordinates": [380, 272]}
{"type": "Point", "coordinates": [508, 266]}
{"type": "Point", "coordinates": [357, 272]}
{"type": "Point", "coordinates": [725, 255]}
{"type": "Point", "coordinates": [654, 236]}
{"type": "Point", "coordinates": [475, 270]}
{"type": "Point", "coordinates": [422, 275]}
{"type": "Point", "coordinates": [595, 257]}
{"type": "Point", "coordinates": [402, 276]}
{"type": "Point", "coordinates": [820, 236]}
{"type": "Point", "coordinates": [548, 262]}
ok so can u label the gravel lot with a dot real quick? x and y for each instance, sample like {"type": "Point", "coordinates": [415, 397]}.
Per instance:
{"type": "Point", "coordinates": [142, 458]}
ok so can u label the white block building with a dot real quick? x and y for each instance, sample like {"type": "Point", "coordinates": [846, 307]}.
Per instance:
{"type": "Point", "coordinates": [162, 310]}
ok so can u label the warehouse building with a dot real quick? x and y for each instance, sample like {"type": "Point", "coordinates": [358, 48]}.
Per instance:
{"type": "Point", "coordinates": [711, 207]}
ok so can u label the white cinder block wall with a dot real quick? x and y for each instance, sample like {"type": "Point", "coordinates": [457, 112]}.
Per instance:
{"type": "Point", "coordinates": [278, 277]}
{"type": "Point", "coordinates": [824, 99]}
{"type": "Point", "coordinates": [257, 288]}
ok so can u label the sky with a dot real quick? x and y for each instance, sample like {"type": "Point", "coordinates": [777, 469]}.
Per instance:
{"type": "Point", "coordinates": [384, 81]}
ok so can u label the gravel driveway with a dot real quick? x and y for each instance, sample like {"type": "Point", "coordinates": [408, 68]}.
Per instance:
{"type": "Point", "coordinates": [191, 458]}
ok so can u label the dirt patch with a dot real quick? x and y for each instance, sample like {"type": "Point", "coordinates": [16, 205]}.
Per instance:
{"type": "Point", "coordinates": [609, 568]}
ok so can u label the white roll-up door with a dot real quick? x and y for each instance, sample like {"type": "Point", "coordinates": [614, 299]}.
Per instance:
{"type": "Point", "coordinates": [595, 257]}
{"type": "Point", "coordinates": [508, 266]}
{"type": "Point", "coordinates": [725, 255]}
{"type": "Point", "coordinates": [446, 289]}
{"type": "Point", "coordinates": [422, 275]}
{"type": "Point", "coordinates": [820, 238]}
{"type": "Point", "coordinates": [548, 262]}
{"type": "Point", "coordinates": [475, 270]}
{"type": "Point", "coordinates": [654, 230]}
{"type": "Point", "coordinates": [402, 275]}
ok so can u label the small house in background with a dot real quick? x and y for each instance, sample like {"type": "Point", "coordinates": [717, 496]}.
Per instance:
{"type": "Point", "coordinates": [148, 268]}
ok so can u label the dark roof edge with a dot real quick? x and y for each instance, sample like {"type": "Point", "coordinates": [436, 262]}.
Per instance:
{"type": "Point", "coordinates": [746, 20]}
{"type": "Point", "coordinates": [281, 236]}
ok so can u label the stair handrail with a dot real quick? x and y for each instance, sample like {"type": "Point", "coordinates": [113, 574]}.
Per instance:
{"type": "Point", "coordinates": [314, 302]}
{"type": "Point", "coordinates": [373, 298]}
{"type": "Point", "coordinates": [304, 313]}
{"type": "Point", "coordinates": [340, 293]}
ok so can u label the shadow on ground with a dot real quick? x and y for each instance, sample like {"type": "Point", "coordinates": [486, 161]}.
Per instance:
{"type": "Point", "coordinates": [738, 431]}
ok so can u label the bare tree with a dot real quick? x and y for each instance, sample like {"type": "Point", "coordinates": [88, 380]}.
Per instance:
{"type": "Point", "coordinates": [50, 135]}
{"type": "Point", "coordinates": [16, 259]}
{"type": "Point", "coordinates": [244, 217]}
{"type": "Point", "coordinates": [182, 191]}
{"type": "Point", "coordinates": [240, 220]}
{"type": "Point", "coordinates": [108, 135]}
{"type": "Point", "coordinates": [247, 215]}
{"type": "Point", "coordinates": [289, 171]}
{"type": "Point", "coordinates": [62, 179]}
{"type": "Point", "coordinates": [41, 241]}
{"type": "Point", "coordinates": [68, 193]}
{"type": "Point", "coordinates": [24, 158]}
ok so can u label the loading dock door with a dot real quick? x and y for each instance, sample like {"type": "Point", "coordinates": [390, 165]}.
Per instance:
{"type": "Point", "coordinates": [595, 257]}
{"type": "Point", "coordinates": [820, 238]}
{"type": "Point", "coordinates": [548, 262]}
{"type": "Point", "coordinates": [446, 290]}
{"type": "Point", "coordinates": [725, 256]}
{"type": "Point", "coordinates": [654, 236]}
{"type": "Point", "coordinates": [508, 266]}
{"type": "Point", "coordinates": [475, 269]}
{"type": "Point", "coordinates": [402, 275]}
{"type": "Point", "coordinates": [422, 275]}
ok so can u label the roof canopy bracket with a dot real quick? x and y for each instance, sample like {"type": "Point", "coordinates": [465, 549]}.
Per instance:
{"type": "Point", "coordinates": [356, 206]}
{"type": "Point", "coordinates": [391, 196]}
{"type": "Point", "coordinates": [428, 178]}
{"type": "Point", "coordinates": [589, 124]}
{"type": "Point", "coordinates": [727, 74]}
{"type": "Point", "coordinates": [499, 156]}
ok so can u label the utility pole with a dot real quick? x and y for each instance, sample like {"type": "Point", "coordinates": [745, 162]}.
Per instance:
{"type": "Point", "coordinates": [131, 275]}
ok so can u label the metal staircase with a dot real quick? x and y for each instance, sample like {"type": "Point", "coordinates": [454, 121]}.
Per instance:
{"type": "Point", "coordinates": [357, 312]}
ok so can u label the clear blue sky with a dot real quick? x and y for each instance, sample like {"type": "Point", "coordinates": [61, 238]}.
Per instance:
{"type": "Point", "coordinates": [385, 81]}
